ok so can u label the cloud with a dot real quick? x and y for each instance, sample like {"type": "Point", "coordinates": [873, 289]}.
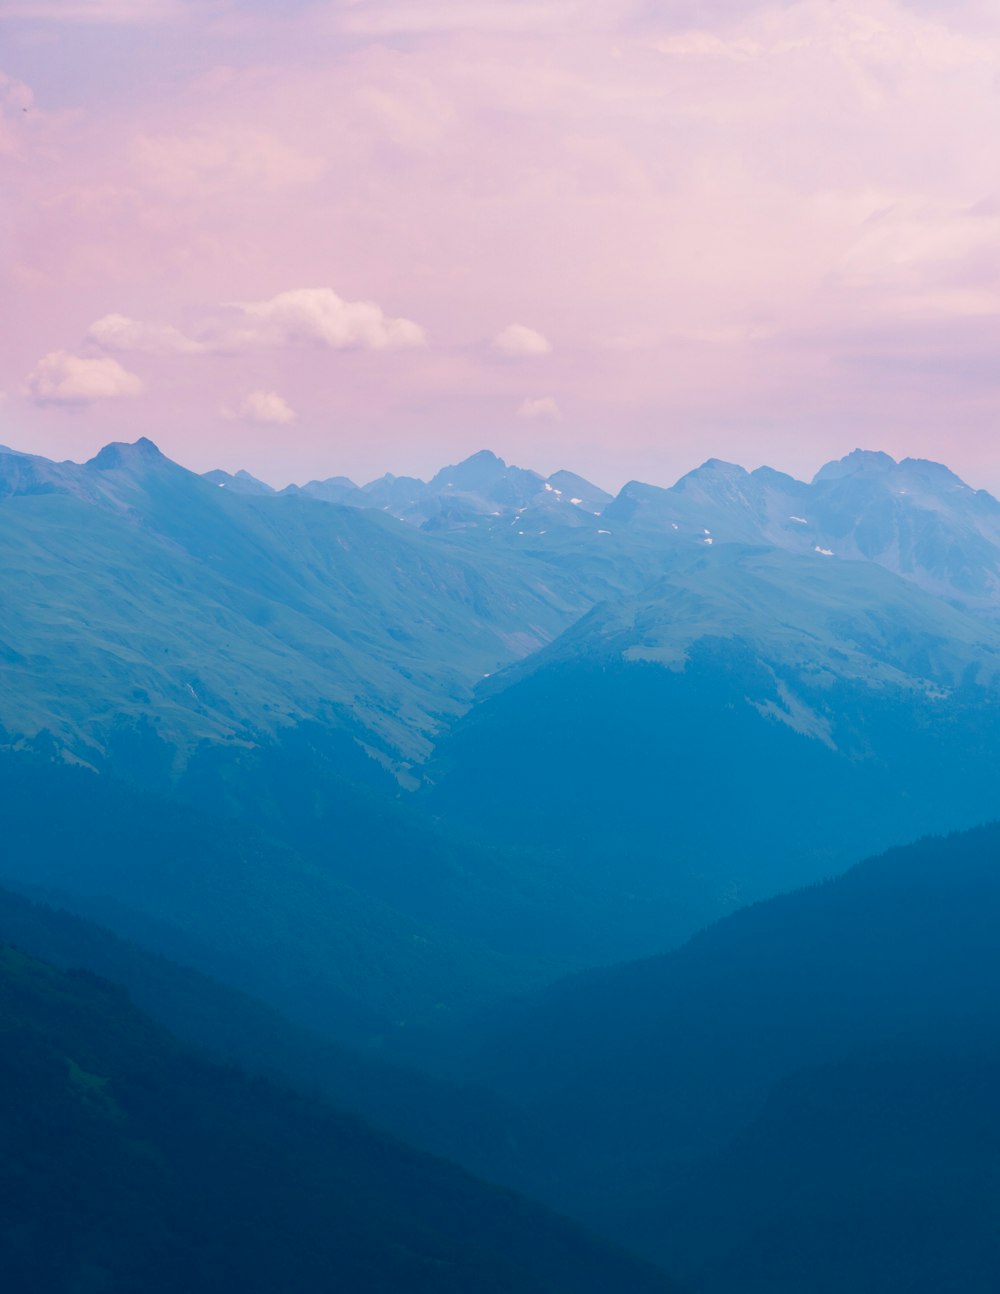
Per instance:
{"type": "Point", "coordinates": [119, 332]}
{"type": "Point", "coordinates": [265, 408]}
{"type": "Point", "coordinates": [317, 316]}
{"type": "Point", "coordinates": [517, 339]}
{"type": "Point", "coordinates": [543, 406]}
{"type": "Point", "coordinates": [62, 378]}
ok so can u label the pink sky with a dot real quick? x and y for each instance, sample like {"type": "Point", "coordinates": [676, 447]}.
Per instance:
{"type": "Point", "coordinates": [613, 235]}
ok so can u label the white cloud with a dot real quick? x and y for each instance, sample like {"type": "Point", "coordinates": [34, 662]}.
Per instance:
{"type": "Point", "coordinates": [62, 378]}
{"type": "Point", "coordinates": [265, 408]}
{"type": "Point", "coordinates": [118, 332]}
{"type": "Point", "coordinates": [318, 316]}
{"type": "Point", "coordinates": [517, 339]}
{"type": "Point", "coordinates": [544, 406]}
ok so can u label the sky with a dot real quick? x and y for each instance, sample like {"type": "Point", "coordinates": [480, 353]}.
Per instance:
{"type": "Point", "coordinates": [617, 236]}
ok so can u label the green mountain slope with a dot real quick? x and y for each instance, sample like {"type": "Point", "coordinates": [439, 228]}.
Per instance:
{"type": "Point", "coordinates": [695, 747]}
{"type": "Point", "coordinates": [134, 588]}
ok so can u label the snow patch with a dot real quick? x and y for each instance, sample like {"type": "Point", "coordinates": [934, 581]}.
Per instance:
{"type": "Point", "coordinates": [548, 487]}
{"type": "Point", "coordinates": [576, 501]}
{"type": "Point", "coordinates": [801, 520]}
{"type": "Point", "coordinates": [709, 540]}
{"type": "Point", "coordinates": [604, 532]}
{"type": "Point", "coordinates": [827, 552]}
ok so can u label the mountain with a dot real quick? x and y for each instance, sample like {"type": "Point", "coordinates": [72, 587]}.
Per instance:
{"type": "Point", "coordinates": [915, 518]}
{"type": "Point", "coordinates": [280, 661]}
{"type": "Point", "coordinates": [481, 491]}
{"type": "Point", "coordinates": [131, 1163]}
{"type": "Point", "coordinates": [484, 493]}
{"type": "Point", "coordinates": [134, 588]}
{"type": "Point", "coordinates": [228, 612]}
{"type": "Point", "coordinates": [238, 482]}
{"type": "Point", "coordinates": [369, 925]}
{"type": "Point", "coordinates": [460, 1123]}
{"type": "Point", "coordinates": [334, 489]}
{"type": "Point", "coordinates": [798, 1096]}
{"type": "Point", "coordinates": [780, 686]}
{"type": "Point", "coordinates": [874, 1174]}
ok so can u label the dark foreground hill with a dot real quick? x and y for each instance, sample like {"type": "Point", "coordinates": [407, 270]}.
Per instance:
{"type": "Point", "coordinates": [825, 1056]}
{"type": "Point", "coordinates": [875, 1174]}
{"type": "Point", "coordinates": [129, 1163]}
{"type": "Point", "coordinates": [457, 1122]}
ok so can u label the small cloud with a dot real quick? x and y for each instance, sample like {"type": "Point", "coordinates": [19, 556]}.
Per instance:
{"type": "Point", "coordinates": [317, 316]}
{"type": "Point", "coordinates": [518, 340]}
{"type": "Point", "coordinates": [265, 408]}
{"type": "Point", "coordinates": [62, 378]}
{"type": "Point", "coordinates": [119, 332]}
{"type": "Point", "coordinates": [543, 406]}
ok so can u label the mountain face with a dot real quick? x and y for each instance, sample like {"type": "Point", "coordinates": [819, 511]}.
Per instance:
{"type": "Point", "coordinates": [456, 1122]}
{"type": "Point", "coordinates": [783, 686]}
{"type": "Point", "coordinates": [361, 925]}
{"type": "Point", "coordinates": [799, 1099]}
{"type": "Point", "coordinates": [482, 492]}
{"type": "Point", "coordinates": [221, 609]}
{"type": "Point", "coordinates": [914, 517]}
{"type": "Point", "coordinates": [134, 588]}
{"type": "Point", "coordinates": [874, 1174]}
{"type": "Point", "coordinates": [189, 639]}
{"type": "Point", "coordinates": [130, 1163]}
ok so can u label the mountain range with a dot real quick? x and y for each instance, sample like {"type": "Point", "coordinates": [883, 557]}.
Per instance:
{"type": "Point", "coordinates": [522, 822]}
{"type": "Point", "coordinates": [498, 755]}
{"type": "Point", "coordinates": [914, 517]}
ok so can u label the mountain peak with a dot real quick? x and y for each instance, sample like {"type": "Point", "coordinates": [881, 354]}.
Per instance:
{"type": "Point", "coordinates": [858, 460]}
{"type": "Point", "coordinates": [121, 454]}
{"type": "Point", "coordinates": [240, 482]}
{"type": "Point", "coordinates": [476, 473]}
{"type": "Point", "coordinates": [712, 471]}
{"type": "Point", "coordinates": [929, 470]}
